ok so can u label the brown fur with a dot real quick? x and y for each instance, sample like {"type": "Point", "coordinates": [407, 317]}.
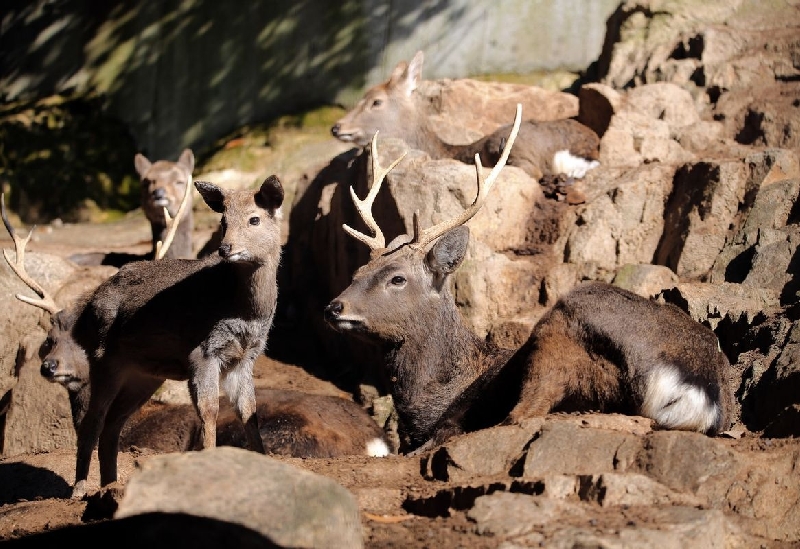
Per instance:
{"type": "Point", "coordinates": [593, 349]}
{"type": "Point", "coordinates": [292, 424]}
{"type": "Point", "coordinates": [396, 110]}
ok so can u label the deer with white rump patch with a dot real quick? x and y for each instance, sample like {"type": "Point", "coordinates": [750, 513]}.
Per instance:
{"type": "Point", "coordinates": [598, 348]}
{"type": "Point", "coordinates": [204, 320]}
{"type": "Point", "coordinates": [397, 109]}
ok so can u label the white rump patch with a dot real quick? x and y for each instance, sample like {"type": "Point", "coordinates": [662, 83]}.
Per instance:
{"type": "Point", "coordinates": [677, 405]}
{"type": "Point", "coordinates": [571, 165]}
{"type": "Point", "coordinates": [377, 448]}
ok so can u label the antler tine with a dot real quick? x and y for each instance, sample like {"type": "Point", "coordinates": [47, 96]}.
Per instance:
{"type": "Point", "coordinates": [172, 224]}
{"type": "Point", "coordinates": [364, 207]}
{"type": "Point", "coordinates": [423, 238]}
{"type": "Point", "coordinates": [45, 300]}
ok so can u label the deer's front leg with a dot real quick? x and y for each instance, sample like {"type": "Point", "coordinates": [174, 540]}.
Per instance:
{"type": "Point", "coordinates": [238, 385]}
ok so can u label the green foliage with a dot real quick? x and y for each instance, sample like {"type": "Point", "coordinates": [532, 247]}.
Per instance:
{"type": "Point", "coordinates": [59, 154]}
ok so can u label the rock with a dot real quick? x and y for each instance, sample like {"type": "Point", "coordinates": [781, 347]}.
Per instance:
{"type": "Point", "coordinates": [645, 280]}
{"type": "Point", "coordinates": [286, 505]}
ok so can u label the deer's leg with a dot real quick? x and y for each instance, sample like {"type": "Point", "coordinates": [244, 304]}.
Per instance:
{"type": "Point", "coordinates": [556, 364]}
{"type": "Point", "coordinates": [204, 390]}
{"type": "Point", "coordinates": [238, 385]}
{"type": "Point", "coordinates": [103, 392]}
{"type": "Point", "coordinates": [131, 397]}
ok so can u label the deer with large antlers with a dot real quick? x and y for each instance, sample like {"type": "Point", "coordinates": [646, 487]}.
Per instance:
{"type": "Point", "coordinates": [204, 320]}
{"type": "Point", "coordinates": [599, 347]}
{"type": "Point", "coordinates": [396, 109]}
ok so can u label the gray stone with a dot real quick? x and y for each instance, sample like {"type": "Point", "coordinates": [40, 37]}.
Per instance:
{"type": "Point", "coordinates": [289, 506]}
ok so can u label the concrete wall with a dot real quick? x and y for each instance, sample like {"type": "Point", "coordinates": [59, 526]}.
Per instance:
{"type": "Point", "coordinates": [184, 72]}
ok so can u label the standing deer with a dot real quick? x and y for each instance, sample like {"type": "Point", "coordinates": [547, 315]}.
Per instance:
{"type": "Point", "coordinates": [291, 423]}
{"type": "Point", "coordinates": [204, 320]}
{"type": "Point", "coordinates": [396, 109]}
{"type": "Point", "coordinates": [599, 347]}
{"type": "Point", "coordinates": [163, 184]}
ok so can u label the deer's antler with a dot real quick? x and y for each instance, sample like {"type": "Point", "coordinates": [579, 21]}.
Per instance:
{"type": "Point", "coordinates": [424, 238]}
{"type": "Point", "coordinates": [364, 207]}
{"type": "Point", "coordinates": [172, 224]}
{"type": "Point", "coordinates": [45, 300]}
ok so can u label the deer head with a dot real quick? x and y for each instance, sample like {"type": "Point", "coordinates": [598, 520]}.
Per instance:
{"type": "Point", "coordinates": [391, 296]}
{"type": "Point", "coordinates": [390, 107]}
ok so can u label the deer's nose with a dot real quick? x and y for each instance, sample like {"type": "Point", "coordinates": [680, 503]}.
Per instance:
{"type": "Point", "coordinates": [159, 193]}
{"type": "Point", "coordinates": [49, 367]}
{"type": "Point", "coordinates": [225, 250]}
{"type": "Point", "coordinates": [333, 310]}
{"type": "Point", "coordinates": [335, 130]}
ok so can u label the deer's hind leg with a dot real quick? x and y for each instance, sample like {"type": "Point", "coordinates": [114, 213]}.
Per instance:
{"type": "Point", "coordinates": [561, 370]}
{"type": "Point", "coordinates": [130, 398]}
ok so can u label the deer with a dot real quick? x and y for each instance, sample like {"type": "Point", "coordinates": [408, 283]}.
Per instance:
{"type": "Point", "coordinates": [599, 347]}
{"type": "Point", "coordinates": [202, 320]}
{"type": "Point", "coordinates": [395, 108]}
{"type": "Point", "coordinates": [293, 424]}
{"type": "Point", "coordinates": [163, 184]}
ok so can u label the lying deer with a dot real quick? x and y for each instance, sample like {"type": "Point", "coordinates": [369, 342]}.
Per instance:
{"type": "Point", "coordinates": [396, 109]}
{"type": "Point", "coordinates": [291, 423]}
{"type": "Point", "coordinates": [204, 320]}
{"type": "Point", "coordinates": [598, 348]}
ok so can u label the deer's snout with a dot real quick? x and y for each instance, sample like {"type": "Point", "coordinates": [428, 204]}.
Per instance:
{"type": "Point", "coordinates": [48, 368]}
{"type": "Point", "coordinates": [158, 193]}
{"type": "Point", "coordinates": [333, 310]}
{"type": "Point", "coordinates": [335, 130]}
{"type": "Point", "coordinates": [225, 250]}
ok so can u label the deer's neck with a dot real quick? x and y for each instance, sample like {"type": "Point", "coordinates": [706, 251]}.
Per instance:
{"type": "Point", "coordinates": [79, 403]}
{"type": "Point", "coordinates": [256, 287]}
{"type": "Point", "coordinates": [422, 135]}
{"type": "Point", "coordinates": [431, 368]}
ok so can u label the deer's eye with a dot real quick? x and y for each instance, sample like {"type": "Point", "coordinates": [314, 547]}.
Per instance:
{"type": "Point", "coordinates": [377, 103]}
{"type": "Point", "coordinates": [254, 221]}
{"type": "Point", "coordinates": [398, 280]}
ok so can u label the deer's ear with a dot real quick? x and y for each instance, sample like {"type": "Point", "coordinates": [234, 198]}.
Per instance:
{"type": "Point", "coordinates": [270, 196]}
{"type": "Point", "coordinates": [447, 254]}
{"type": "Point", "coordinates": [187, 159]}
{"type": "Point", "coordinates": [212, 195]}
{"type": "Point", "coordinates": [142, 164]}
{"type": "Point", "coordinates": [413, 74]}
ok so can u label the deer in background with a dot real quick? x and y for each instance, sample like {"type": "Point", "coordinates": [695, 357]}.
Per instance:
{"type": "Point", "coordinates": [205, 320]}
{"type": "Point", "coordinates": [396, 109]}
{"type": "Point", "coordinates": [163, 183]}
{"type": "Point", "coordinates": [598, 348]}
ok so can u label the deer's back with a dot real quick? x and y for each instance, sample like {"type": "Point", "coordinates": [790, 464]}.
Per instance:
{"type": "Point", "coordinates": [158, 311]}
{"type": "Point", "coordinates": [536, 144]}
{"type": "Point", "coordinates": [636, 332]}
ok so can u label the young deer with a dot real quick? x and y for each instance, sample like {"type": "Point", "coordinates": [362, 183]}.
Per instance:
{"type": "Point", "coordinates": [396, 110]}
{"type": "Point", "coordinates": [204, 320]}
{"type": "Point", "coordinates": [600, 347]}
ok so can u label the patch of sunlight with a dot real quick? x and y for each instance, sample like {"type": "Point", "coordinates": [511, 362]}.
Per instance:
{"type": "Point", "coordinates": [549, 80]}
